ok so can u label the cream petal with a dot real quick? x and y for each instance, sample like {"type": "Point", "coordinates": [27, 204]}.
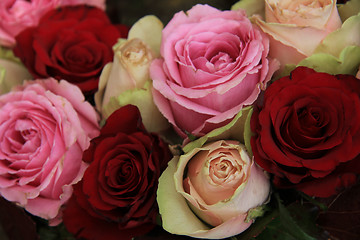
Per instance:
{"type": "Point", "coordinates": [11, 74]}
{"type": "Point", "coordinates": [294, 36]}
{"type": "Point", "coordinates": [148, 29]}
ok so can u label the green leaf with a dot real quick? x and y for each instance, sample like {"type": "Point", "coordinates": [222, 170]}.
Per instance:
{"type": "Point", "coordinates": [293, 222]}
{"type": "Point", "coordinates": [290, 225]}
{"type": "Point", "coordinates": [260, 225]}
{"type": "Point", "coordinates": [54, 233]}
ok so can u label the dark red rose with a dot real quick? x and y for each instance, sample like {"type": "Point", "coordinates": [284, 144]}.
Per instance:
{"type": "Point", "coordinates": [307, 132]}
{"type": "Point", "coordinates": [116, 199]}
{"type": "Point", "coordinates": [72, 43]}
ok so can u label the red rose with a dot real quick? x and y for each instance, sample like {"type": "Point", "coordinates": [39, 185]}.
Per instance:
{"type": "Point", "coordinates": [116, 199]}
{"type": "Point", "coordinates": [307, 132]}
{"type": "Point", "coordinates": [71, 43]}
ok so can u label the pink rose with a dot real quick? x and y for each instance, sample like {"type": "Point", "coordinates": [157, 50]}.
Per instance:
{"type": "Point", "coordinates": [16, 15]}
{"type": "Point", "coordinates": [214, 63]}
{"type": "Point", "coordinates": [45, 126]}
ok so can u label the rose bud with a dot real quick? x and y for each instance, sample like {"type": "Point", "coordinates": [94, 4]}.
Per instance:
{"type": "Point", "coordinates": [126, 80]}
{"type": "Point", "coordinates": [214, 191]}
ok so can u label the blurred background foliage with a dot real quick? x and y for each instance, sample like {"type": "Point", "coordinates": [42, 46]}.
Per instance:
{"type": "Point", "coordinates": [129, 11]}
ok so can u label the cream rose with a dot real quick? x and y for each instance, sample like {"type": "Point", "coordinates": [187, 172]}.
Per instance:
{"type": "Point", "coordinates": [295, 27]}
{"type": "Point", "coordinates": [218, 184]}
{"type": "Point", "coordinates": [126, 80]}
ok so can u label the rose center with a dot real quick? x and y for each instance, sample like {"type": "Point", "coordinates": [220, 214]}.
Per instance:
{"type": "Point", "coordinates": [124, 172]}
{"type": "Point", "coordinates": [219, 61]}
{"type": "Point", "coordinates": [136, 52]}
{"type": "Point", "coordinates": [222, 170]}
{"type": "Point", "coordinates": [28, 134]}
{"type": "Point", "coordinates": [22, 137]}
{"type": "Point", "coordinates": [295, 6]}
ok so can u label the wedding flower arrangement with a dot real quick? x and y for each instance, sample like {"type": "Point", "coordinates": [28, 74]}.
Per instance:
{"type": "Point", "coordinates": [239, 123]}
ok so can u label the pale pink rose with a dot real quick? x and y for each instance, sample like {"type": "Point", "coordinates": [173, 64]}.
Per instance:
{"type": "Point", "coordinates": [217, 184]}
{"type": "Point", "coordinates": [358, 74]}
{"type": "Point", "coordinates": [45, 126]}
{"type": "Point", "coordinates": [297, 27]}
{"type": "Point", "coordinates": [213, 63]}
{"type": "Point", "coordinates": [16, 15]}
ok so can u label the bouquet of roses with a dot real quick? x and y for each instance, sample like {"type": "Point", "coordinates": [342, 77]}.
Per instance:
{"type": "Point", "coordinates": [240, 123]}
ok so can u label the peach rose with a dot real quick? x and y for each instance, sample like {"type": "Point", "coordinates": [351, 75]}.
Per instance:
{"type": "Point", "coordinates": [295, 27]}
{"type": "Point", "coordinates": [214, 191]}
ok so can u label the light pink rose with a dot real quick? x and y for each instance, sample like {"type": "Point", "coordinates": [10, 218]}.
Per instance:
{"type": "Point", "coordinates": [16, 15]}
{"type": "Point", "coordinates": [213, 63]}
{"type": "Point", "coordinates": [297, 27]}
{"type": "Point", "coordinates": [358, 74]}
{"type": "Point", "coordinates": [45, 126]}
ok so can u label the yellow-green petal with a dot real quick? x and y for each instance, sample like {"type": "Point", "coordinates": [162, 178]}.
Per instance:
{"type": "Point", "coordinates": [347, 35]}
{"type": "Point", "coordinates": [350, 8]}
{"type": "Point", "coordinates": [248, 133]}
{"type": "Point", "coordinates": [142, 98]}
{"type": "Point", "coordinates": [175, 212]}
{"type": "Point", "coordinates": [232, 131]}
{"type": "Point", "coordinates": [7, 54]}
{"type": "Point", "coordinates": [347, 63]}
{"type": "Point", "coordinates": [251, 7]}
{"type": "Point", "coordinates": [149, 30]}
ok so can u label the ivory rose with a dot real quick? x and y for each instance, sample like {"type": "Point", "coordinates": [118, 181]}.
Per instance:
{"type": "Point", "coordinates": [213, 63]}
{"type": "Point", "coordinates": [12, 72]}
{"type": "Point", "coordinates": [214, 191]}
{"type": "Point", "coordinates": [16, 15]}
{"type": "Point", "coordinates": [295, 28]}
{"type": "Point", "coordinates": [126, 80]}
{"type": "Point", "coordinates": [45, 126]}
